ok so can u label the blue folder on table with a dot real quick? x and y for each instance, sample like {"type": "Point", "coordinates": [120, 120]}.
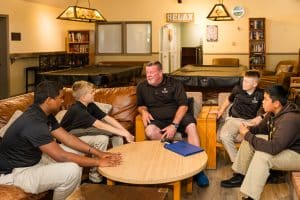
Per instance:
{"type": "Point", "coordinates": [183, 148]}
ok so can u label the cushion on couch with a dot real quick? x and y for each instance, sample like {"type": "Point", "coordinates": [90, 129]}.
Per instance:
{"type": "Point", "coordinates": [60, 115]}
{"type": "Point", "coordinates": [104, 107]}
{"type": "Point", "coordinates": [284, 68]}
{"type": "Point", "coordinates": [13, 118]}
{"type": "Point", "coordinates": [197, 101]}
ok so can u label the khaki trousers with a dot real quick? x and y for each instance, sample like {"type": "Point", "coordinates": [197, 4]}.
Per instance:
{"type": "Point", "coordinates": [63, 178]}
{"type": "Point", "coordinates": [255, 165]}
{"type": "Point", "coordinates": [229, 132]}
{"type": "Point", "coordinates": [98, 138]}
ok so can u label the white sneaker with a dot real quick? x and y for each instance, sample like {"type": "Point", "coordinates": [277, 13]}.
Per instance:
{"type": "Point", "coordinates": [95, 177]}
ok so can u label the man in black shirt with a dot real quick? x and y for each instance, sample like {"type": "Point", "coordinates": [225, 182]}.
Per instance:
{"type": "Point", "coordinates": [246, 100]}
{"type": "Point", "coordinates": [31, 135]}
{"type": "Point", "coordinates": [162, 102]}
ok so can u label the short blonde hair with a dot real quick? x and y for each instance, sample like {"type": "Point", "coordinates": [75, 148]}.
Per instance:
{"type": "Point", "coordinates": [80, 88]}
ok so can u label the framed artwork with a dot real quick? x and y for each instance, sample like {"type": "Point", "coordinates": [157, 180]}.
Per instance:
{"type": "Point", "coordinates": [211, 33]}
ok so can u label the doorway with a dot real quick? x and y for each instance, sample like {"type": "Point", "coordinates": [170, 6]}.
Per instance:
{"type": "Point", "coordinates": [4, 57]}
{"type": "Point", "coordinates": [176, 37]}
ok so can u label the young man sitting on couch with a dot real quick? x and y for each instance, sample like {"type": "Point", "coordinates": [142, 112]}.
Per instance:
{"type": "Point", "coordinates": [31, 135]}
{"type": "Point", "coordinates": [88, 122]}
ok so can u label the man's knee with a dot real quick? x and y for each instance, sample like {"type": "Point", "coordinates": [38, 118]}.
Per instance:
{"type": "Point", "coordinates": [101, 139]}
{"type": "Point", "coordinates": [72, 172]}
{"type": "Point", "coordinates": [226, 135]}
{"type": "Point", "coordinates": [101, 142]}
{"type": "Point", "coordinates": [190, 128]}
{"type": "Point", "coordinates": [223, 136]}
{"type": "Point", "coordinates": [152, 132]}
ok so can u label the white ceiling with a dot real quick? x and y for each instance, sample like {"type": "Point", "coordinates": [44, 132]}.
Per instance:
{"type": "Point", "coordinates": [60, 3]}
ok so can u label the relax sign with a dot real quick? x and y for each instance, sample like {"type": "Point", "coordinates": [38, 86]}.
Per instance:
{"type": "Point", "coordinates": [180, 17]}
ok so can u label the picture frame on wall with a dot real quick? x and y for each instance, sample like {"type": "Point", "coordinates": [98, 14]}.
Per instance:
{"type": "Point", "coordinates": [212, 33]}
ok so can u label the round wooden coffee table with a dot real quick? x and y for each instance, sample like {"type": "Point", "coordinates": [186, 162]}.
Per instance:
{"type": "Point", "coordinates": [148, 162]}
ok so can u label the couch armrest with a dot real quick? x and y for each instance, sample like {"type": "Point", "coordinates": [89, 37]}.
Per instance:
{"type": "Point", "coordinates": [267, 73]}
{"type": "Point", "coordinates": [139, 129]}
{"type": "Point", "coordinates": [284, 75]}
{"type": "Point", "coordinates": [284, 78]}
{"type": "Point", "coordinates": [207, 127]}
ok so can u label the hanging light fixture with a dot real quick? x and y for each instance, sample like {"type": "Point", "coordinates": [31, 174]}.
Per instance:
{"type": "Point", "coordinates": [81, 14]}
{"type": "Point", "coordinates": [219, 13]}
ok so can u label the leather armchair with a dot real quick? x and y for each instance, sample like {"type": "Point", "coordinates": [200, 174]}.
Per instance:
{"type": "Point", "coordinates": [283, 71]}
{"type": "Point", "coordinates": [233, 62]}
{"type": "Point", "coordinates": [209, 130]}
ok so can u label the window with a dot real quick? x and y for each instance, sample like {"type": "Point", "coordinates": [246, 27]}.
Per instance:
{"type": "Point", "coordinates": [123, 38]}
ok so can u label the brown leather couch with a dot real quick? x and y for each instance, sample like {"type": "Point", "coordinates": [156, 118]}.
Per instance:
{"type": "Point", "coordinates": [122, 99]}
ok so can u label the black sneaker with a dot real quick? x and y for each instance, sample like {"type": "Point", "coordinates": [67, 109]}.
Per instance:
{"type": "Point", "coordinates": [235, 181]}
{"type": "Point", "coordinates": [247, 198]}
{"type": "Point", "coordinates": [276, 177]}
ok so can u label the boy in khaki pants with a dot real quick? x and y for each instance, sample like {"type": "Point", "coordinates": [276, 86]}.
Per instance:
{"type": "Point", "coordinates": [88, 122]}
{"type": "Point", "coordinates": [246, 100]}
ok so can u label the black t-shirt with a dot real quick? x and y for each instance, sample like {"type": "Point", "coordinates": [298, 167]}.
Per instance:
{"type": "Point", "coordinates": [163, 100]}
{"type": "Point", "coordinates": [245, 106]}
{"type": "Point", "coordinates": [21, 142]}
{"type": "Point", "coordinates": [80, 116]}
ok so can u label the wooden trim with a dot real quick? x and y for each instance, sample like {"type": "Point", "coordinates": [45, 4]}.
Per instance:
{"type": "Point", "coordinates": [282, 53]}
{"type": "Point", "coordinates": [18, 56]}
{"type": "Point", "coordinates": [220, 53]}
{"type": "Point", "coordinates": [150, 54]}
{"type": "Point", "coordinates": [241, 53]}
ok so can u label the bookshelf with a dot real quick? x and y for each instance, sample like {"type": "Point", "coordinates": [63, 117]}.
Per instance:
{"type": "Point", "coordinates": [80, 46]}
{"type": "Point", "coordinates": [257, 43]}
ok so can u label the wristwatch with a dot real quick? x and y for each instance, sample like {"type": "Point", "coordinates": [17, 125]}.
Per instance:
{"type": "Point", "coordinates": [175, 125]}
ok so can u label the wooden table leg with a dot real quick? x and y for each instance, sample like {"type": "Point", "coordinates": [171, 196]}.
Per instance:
{"type": "Point", "coordinates": [176, 190]}
{"type": "Point", "coordinates": [189, 185]}
{"type": "Point", "coordinates": [110, 182]}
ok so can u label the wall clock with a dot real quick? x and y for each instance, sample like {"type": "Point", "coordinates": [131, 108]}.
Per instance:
{"type": "Point", "coordinates": [238, 11]}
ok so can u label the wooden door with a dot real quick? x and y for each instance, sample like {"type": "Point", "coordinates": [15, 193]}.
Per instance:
{"type": "Point", "coordinates": [4, 61]}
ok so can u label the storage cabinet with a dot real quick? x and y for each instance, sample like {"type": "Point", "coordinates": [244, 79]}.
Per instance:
{"type": "Point", "coordinates": [257, 43]}
{"type": "Point", "coordinates": [191, 55]}
{"type": "Point", "coordinates": [81, 45]}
